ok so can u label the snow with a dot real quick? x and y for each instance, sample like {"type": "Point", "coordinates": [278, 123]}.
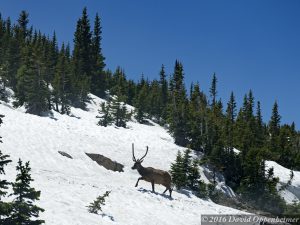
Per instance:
{"type": "Point", "coordinates": [292, 192]}
{"type": "Point", "coordinates": [236, 151]}
{"type": "Point", "coordinates": [69, 185]}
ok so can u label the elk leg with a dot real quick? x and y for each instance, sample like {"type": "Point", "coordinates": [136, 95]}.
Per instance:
{"type": "Point", "coordinates": [165, 190]}
{"type": "Point", "coordinates": [141, 178]}
{"type": "Point", "coordinates": [152, 186]}
{"type": "Point", "coordinates": [170, 190]}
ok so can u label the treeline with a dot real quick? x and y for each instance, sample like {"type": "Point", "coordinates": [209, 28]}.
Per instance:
{"type": "Point", "coordinates": [45, 77]}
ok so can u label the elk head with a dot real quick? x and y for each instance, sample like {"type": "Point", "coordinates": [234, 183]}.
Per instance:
{"type": "Point", "coordinates": [137, 162]}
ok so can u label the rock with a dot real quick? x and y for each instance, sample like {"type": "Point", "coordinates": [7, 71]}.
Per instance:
{"type": "Point", "coordinates": [65, 154]}
{"type": "Point", "coordinates": [107, 163]}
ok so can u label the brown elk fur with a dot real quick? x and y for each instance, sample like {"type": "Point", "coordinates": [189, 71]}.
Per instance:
{"type": "Point", "coordinates": [154, 176]}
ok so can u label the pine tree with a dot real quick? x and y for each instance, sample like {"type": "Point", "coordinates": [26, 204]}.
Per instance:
{"type": "Point", "coordinates": [177, 172]}
{"type": "Point", "coordinates": [213, 90]}
{"type": "Point", "coordinates": [230, 121]}
{"type": "Point", "coordinates": [31, 88]}
{"type": "Point", "coordinates": [82, 61]}
{"type": "Point", "coordinates": [259, 134]}
{"type": "Point", "coordinates": [140, 105]}
{"type": "Point", "coordinates": [274, 128]}
{"type": "Point", "coordinates": [23, 208]}
{"type": "Point", "coordinates": [22, 23]}
{"type": "Point", "coordinates": [178, 107]}
{"type": "Point", "coordinates": [4, 206]}
{"type": "Point", "coordinates": [193, 175]}
{"type": "Point", "coordinates": [119, 112]}
{"type": "Point", "coordinates": [51, 58]}
{"type": "Point", "coordinates": [98, 82]}
{"type": "Point", "coordinates": [197, 118]}
{"type": "Point", "coordinates": [95, 206]}
{"type": "Point", "coordinates": [164, 93]}
{"type": "Point", "coordinates": [105, 117]}
{"type": "Point", "coordinates": [62, 85]}
{"type": "Point", "coordinates": [274, 125]}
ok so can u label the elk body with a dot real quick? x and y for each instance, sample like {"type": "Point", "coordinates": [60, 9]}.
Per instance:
{"type": "Point", "coordinates": [154, 176]}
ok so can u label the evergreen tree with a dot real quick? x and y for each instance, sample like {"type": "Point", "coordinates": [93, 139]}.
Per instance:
{"type": "Point", "coordinates": [164, 93]}
{"type": "Point", "coordinates": [274, 129]}
{"type": "Point", "coordinates": [178, 107]}
{"type": "Point", "coordinates": [177, 172]}
{"type": "Point", "coordinates": [105, 118]}
{"type": "Point", "coordinates": [258, 185]}
{"type": "Point", "coordinates": [213, 90]}
{"type": "Point", "coordinates": [31, 88]}
{"type": "Point", "coordinates": [4, 206]}
{"type": "Point", "coordinates": [82, 61]}
{"type": "Point", "coordinates": [62, 86]}
{"type": "Point", "coordinates": [51, 58]}
{"type": "Point", "coordinates": [230, 121]}
{"type": "Point", "coordinates": [98, 82]}
{"type": "Point", "coordinates": [95, 206]}
{"type": "Point", "coordinates": [274, 125]}
{"type": "Point", "coordinates": [259, 134]}
{"type": "Point", "coordinates": [141, 104]}
{"type": "Point", "coordinates": [197, 118]}
{"type": "Point", "coordinates": [23, 208]}
{"type": "Point", "coordinates": [22, 25]}
{"type": "Point", "coordinates": [119, 112]}
{"type": "Point", "coordinates": [193, 175]}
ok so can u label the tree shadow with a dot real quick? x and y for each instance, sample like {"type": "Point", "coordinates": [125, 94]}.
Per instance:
{"type": "Point", "coordinates": [156, 193]}
{"type": "Point", "coordinates": [185, 192]}
{"type": "Point", "coordinates": [109, 216]}
{"type": "Point", "coordinates": [77, 117]}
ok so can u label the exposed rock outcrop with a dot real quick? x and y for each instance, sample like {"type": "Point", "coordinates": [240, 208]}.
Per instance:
{"type": "Point", "coordinates": [107, 163]}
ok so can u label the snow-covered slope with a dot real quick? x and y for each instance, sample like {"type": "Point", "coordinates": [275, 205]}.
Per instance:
{"type": "Point", "coordinates": [69, 185]}
{"type": "Point", "coordinates": [292, 192]}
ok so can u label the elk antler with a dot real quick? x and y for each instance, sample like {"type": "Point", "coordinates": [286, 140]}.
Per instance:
{"type": "Point", "coordinates": [133, 157]}
{"type": "Point", "coordinates": [144, 155]}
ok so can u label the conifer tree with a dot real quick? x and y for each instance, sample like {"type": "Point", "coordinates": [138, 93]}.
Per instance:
{"type": "Point", "coordinates": [4, 206]}
{"type": "Point", "coordinates": [23, 208]}
{"type": "Point", "coordinates": [230, 121]}
{"type": "Point", "coordinates": [213, 90]}
{"type": "Point", "coordinates": [140, 105]}
{"type": "Point", "coordinates": [274, 125]}
{"type": "Point", "coordinates": [274, 128]}
{"type": "Point", "coordinates": [82, 61]}
{"type": "Point", "coordinates": [197, 118]}
{"type": "Point", "coordinates": [259, 134]}
{"type": "Point", "coordinates": [119, 112]}
{"type": "Point", "coordinates": [97, 81]}
{"type": "Point", "coordinates": [31, 88]}
{"type": "Point", "coordinates": [177, 172]}
{"type": "Point", "coordinates": [95, 206]}
{"type": "Point", "coordinates": [22, 25]}
{"type": "Point", "coordinates": [62, 86]}
{"type": "Point", "coordinates": [164, 93]}
{"type": "Point", "coordinates": [105, 117]}
{"type": "Point", "coordinates": [178, 107]}
{"type": "Point", "coordinates": [51, 57]}
{"type": "Point", "coordinates": [193, 175]}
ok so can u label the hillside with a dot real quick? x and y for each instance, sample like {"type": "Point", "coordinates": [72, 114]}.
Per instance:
{"type": "Point", "coordinates": [69, 185]}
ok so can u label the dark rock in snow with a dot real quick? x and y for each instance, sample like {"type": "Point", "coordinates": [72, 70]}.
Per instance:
{"type": "Point", "coordinates": [107, 163]}
{"type": "Point", "coordinates": [65, 154]}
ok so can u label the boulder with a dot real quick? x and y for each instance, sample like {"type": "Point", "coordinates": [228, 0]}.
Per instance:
{"type": "Point", "coordinates": [107, 163]}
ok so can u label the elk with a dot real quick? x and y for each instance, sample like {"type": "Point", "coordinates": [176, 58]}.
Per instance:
{"type": "Point", "coordinates": [149, 174]}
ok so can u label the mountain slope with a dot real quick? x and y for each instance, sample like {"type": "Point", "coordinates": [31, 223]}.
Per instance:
{"type": "Point", "coordinates": [69, 185]}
